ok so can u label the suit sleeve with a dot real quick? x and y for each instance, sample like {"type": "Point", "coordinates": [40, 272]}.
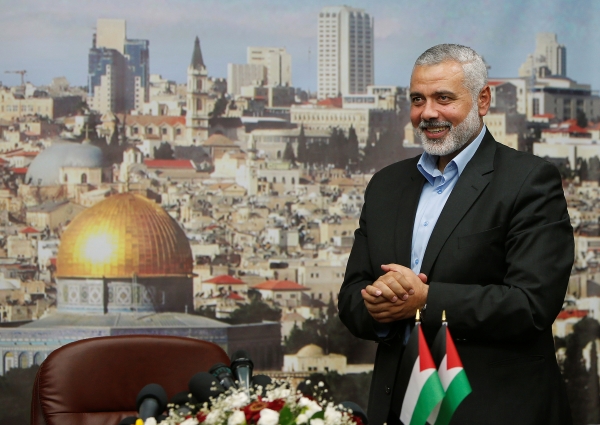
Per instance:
{"type": "Point", "coordinates": [539, 256]}
{"type": "Point", "coordinates": [359, 274]}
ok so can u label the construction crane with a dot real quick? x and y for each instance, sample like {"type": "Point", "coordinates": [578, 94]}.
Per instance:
{"type": "Point", "coordinates": [22, 72]}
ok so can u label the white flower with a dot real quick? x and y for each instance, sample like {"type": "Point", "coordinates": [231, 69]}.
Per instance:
{"type": "Point", "coordinates": [237, 418]}
{"type": "Point", "coordinates": [309, 407]}
{"type": "Point", "coordinates": [237, 400]}
{"type": "Point", "coordinates": [268, 417]}
{"type": "Point", "coordinates": [150, 421]}
{"type": "Point", "coordinates": [190, 421]}
{"type": "Point", "coordinates": [317, 421]}
{"type": "Point", "coordinates": [332, 415]}
{"type": "Point", "coordinates": [301, 419]}
{"type": "Point", "coordinates": [279, 392]}
{"type": "Point", "coordinates": [213, 417]}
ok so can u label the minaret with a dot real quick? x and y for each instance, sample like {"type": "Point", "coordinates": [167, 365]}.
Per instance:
{"type": "Point", "coordinates": [196, 118]}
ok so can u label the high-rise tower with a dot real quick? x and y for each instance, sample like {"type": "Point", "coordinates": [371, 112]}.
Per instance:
{"type": "Point", "coordinates": [549, 59]}
{"type": "Point", "coordinates": [345, 51]}
{"type": "Point", "coordinates": [198, 108]}
{"type": "Point", "coordinates": [118, 69]}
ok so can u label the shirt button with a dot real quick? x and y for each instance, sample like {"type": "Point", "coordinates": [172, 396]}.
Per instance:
{"type": "Point", "coordinates": [439, 191]}
{"type": "Point", "coordinates": [417, 261]}
{"type": "Point", "coordinates": [426, 224]}
{"type": "Point", "coordinates": [388, 390]}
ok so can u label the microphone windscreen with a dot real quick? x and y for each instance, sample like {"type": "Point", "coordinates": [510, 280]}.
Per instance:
{"type": "Point", "coordinates": [240, 354]}
{"type": "Point", "coordinates": [262, 380]}
{"type": "Point", "coordinates": [204, 385]}
{"type": "Point", "coordinates": [356, 411]}
{"type": "Point", "coordinates": [183, 397]}
{"type": "Point", "coordinates": [154, 391]}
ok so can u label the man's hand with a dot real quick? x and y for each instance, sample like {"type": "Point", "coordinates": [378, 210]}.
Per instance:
{"type": "Point", "coordinates": [396, 295]}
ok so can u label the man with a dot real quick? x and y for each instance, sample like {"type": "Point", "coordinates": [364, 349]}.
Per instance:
{"type": "Point", "coordinates": [471, 227]}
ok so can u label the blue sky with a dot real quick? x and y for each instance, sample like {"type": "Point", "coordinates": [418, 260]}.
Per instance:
{"type": "Point", "coordinates": [51, 38]}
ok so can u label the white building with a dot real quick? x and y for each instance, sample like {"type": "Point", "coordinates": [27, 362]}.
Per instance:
{"type": "Point", "coordinates": [277, 62]}
{"type": "Point", "coordinates": [549, 59]}
{"type": "Point", "coordinates": [239, 75]}
{"type": "Point", "coordinates": [345, 51]}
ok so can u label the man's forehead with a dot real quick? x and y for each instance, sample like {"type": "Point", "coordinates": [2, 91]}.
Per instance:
{"type": "Point", "coordinates": [447, 73]}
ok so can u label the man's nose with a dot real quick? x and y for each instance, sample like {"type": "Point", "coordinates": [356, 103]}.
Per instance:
{"type": "Point", "coordinates": [429, 111]}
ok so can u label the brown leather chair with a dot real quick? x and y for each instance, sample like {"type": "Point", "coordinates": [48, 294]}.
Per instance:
{"type": "Point", "coordinates": [96, 381]}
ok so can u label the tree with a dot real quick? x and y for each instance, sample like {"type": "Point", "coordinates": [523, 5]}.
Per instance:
{"type": "Point", "coordinates": [15, 395]}
{"type": "Point", "coordinates": [582, 120]}
{"type": "Point", "coordinates": [352, 146]}
{"type": "Point", "coordinates": [164, 151]}
{"type": "Point", "coordinates": [288, 153]}
{"type": "Point", "coordinates": [302, 148]}
{"type": "Point", "coordinates": [254, 312]}
{"type": "Point", "coordinates": [219, 108]}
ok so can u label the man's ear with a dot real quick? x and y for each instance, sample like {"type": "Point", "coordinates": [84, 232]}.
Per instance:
{"type": "Point", "coordinates": [484, 100]}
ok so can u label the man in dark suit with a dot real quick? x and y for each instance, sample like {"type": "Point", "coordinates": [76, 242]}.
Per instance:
{"type": "Point", "coordinates": [471, 227]}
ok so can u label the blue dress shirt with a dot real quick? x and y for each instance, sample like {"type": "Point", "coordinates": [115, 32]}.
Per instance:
{"type": "Point", "coordinates": [434, 195]}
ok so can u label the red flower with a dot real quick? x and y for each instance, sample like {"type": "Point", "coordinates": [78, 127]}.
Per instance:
{"type": "Point", "coordinates": [276, 405]}
{"type": "Point", "coordinates": [252, 411]}
{"type": "Point", "coordinates": [358, 420]}
{"type": "Point", "coordinates": [201, 416]}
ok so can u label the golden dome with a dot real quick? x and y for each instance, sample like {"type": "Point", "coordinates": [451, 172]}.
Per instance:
{"type": "Point", "coordinates": [123, 235]}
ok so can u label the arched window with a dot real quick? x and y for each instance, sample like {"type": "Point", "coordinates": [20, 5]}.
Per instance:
{"type": "Point", "coordinates": [9, 362]}
{"type": "Point", "coordinates": [24, 360]}
{"type": "Point", "coordinates": [84, 178]}
{"type": "Point", "coordinates": [38, 358]}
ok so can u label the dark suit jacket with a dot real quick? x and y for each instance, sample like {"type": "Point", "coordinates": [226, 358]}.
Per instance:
{"type": "Point", "coordinates": [498, 261]}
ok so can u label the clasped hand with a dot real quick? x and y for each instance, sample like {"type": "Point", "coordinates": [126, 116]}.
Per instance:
{"type": "Point", "coordinates": [396, 295]}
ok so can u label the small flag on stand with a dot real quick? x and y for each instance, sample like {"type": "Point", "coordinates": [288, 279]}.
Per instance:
{"type": "Point", "coordinates": [452, 375]}
{"type": "Point", "coordinates": [419, 376]}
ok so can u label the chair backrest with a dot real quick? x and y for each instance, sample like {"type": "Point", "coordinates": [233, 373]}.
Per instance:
{"type": "Point", "coordinates": [96, 381]}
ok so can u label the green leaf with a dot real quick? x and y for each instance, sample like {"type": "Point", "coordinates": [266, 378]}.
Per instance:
{"type": "Point", "coordinates": [318, 415]}
{"type": "Point", "coordinates": [286, 417]}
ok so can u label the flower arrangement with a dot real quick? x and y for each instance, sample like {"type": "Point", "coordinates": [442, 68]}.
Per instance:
{"type": "Point", "coordinates": [276, 404]}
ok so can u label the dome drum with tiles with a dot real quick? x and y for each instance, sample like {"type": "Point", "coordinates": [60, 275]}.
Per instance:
{"type": "Point", "coordinates": [124, 254]}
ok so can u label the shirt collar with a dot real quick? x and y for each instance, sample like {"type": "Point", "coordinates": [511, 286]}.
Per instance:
{"type": "Point", "coordinates": [427, 164]}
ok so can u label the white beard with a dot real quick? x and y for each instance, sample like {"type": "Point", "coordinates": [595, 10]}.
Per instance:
{"type": "Point", "coordinates": [456, 138]}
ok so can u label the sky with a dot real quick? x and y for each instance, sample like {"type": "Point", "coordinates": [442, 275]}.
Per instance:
{"type": "Point", "coordinates": [52, 38]}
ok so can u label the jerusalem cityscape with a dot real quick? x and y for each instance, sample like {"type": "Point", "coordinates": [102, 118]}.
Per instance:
{"type": "Point", "coordinates": [224, 208]}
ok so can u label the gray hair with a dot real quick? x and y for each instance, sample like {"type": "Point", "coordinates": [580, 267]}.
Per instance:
{"type": "Point", "coordinates": [474, 68]}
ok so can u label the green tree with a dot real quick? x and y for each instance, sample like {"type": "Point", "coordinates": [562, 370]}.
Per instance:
{"type": "Point", "coordinates": [352, 147]}
{"type": "Point", "coordinates": [254, 312]}
{"type": "Point", "coordinates": [582, 120]}
{"type": "Point", "coordinates": [302, 147]}
{"type": "Point", "coordinates": [16, 387]}
{"type": "Point", "coordinates": [288, 153]}
{"type": "Point", "coordinates": [164, 151]}
{"type": "Point", "coordinates": [219, 108]}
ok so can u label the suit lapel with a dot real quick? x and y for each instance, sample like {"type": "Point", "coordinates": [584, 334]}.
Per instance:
{"type": "Point", "coordinates": [471, 183]}
{"type": "Point", "coordinates": [408, 200]}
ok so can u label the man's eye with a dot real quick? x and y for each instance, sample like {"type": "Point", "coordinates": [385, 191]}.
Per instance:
{"type": "Point", "coordinates": [444, 98]}
{"type": "Point", "coordinates": [416, 99]}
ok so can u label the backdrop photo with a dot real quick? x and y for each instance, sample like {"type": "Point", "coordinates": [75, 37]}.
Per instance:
{"type": "Point", "coordinates": [197, 168]}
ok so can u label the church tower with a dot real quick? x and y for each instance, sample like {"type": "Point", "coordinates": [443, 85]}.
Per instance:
{"type": "Point", "coordinates": [198, 102]}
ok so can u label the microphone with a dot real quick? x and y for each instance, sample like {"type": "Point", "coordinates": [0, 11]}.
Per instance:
{"type": "Point", "coordinates": [261, 381]}
{"type": "Point", "coordinates": [242, 368]}
{"type": "Point", "coordinates": [151, 401]}
{"type": "Point", "coordinates": [184, 403]}
{"type": "Point", "coordinates": [355, 410]}
{"type": "Point", "coordinates": [224, 375]}
{"type": "Point", "coordinates": [205, 386]}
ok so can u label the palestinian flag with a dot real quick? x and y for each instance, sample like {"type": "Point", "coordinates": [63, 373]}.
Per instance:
{"type": "Point", "coordinates": [453, 377]}
{"type": "Point", "coordinates": [419, 376]}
